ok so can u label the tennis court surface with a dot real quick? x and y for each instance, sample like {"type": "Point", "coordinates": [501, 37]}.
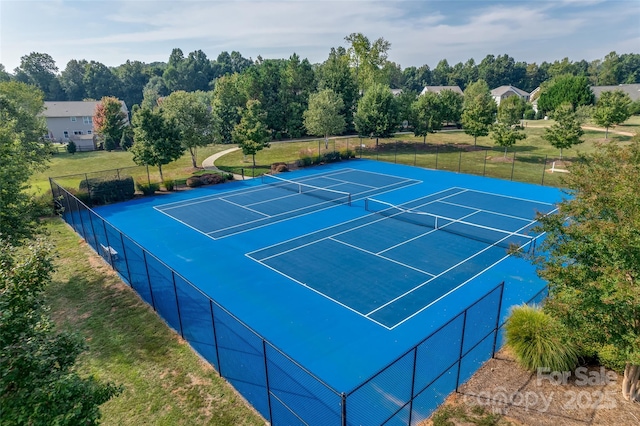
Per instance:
{"type": "Point", "coordinates": [352, 293]}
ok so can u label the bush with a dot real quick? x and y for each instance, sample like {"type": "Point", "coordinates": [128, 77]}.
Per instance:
{"type": "Point", "coordinates": [71, 147]}
{"type": "Point", "coordinates": [279, 168]}
{"type": "Point", "coordinates": [169, 184]}
{"type": "Point", "coordinates": [103, 191]}
{"type": "Point", "coordinates": [539, 340]}
{"type": "Point", "coordinates": [345, 154]}
{"type": "Point", "coordinates": [206, 179]}
{"type": "Point", "coordinates": [147, 188]}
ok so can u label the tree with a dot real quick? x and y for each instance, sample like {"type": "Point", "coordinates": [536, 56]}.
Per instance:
{"type": "Point", "coordinates": [426, 115]}
{"type": "Point", "coordinates": [39, 69]}
{"type": "Point", "coordinates": [252, 134]}
{"type": "Point", "coordinates": [566, 131]}
{"type": "Point", "coordinates": [99, 80]}
{"type": "Point", "coordinates": [323, 117]}
{"type": "Point", "coordinates": [611, 109]}
{"type": "Point", "coordinates": [511, 110]}
{"type": "Point", "coordinates": [506, 135]}
{"type": "Point", "coordinates": [298, 82]}
{"type": "Point", "coordinates": [194, 120]}
{"type": "Point", "coordinates": [335, 74]}
{"type": "Point", "coordinates": [452, 103]}
{"type": "Point", "coordinates": [591, 258]}
{"type": "Point", "coordinates": [38, 384]}
{"type": "Point", "coordinates": [479, 110]}
{"type": "Point", "coordinates": [367, 59]}
{"type": "Point", "coordinates": [565, 89]}
{"type": "Point", "coordinates": [228, 101]}
{"type": "Point", "coordinates": [377, 114]}
{"type": "Point", "coordinates": [109, 121]}
{"type": "Point", "coordinates": [21, 154]}
{"type": "Point", "coordinates": [133, 78]}
{"type": "Point", "coordinates": [72, 80]}
{"type": "Point", "coordinates": [71, 147]}
{"type": "Point", "coordinates": [156, 139]}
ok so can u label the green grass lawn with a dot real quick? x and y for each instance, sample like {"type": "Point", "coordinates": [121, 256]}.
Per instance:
{"type": "Point", "coordinates": [165, 382]}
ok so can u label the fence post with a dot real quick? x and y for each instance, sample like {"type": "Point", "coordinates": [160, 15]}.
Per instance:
{"type": "Point", "coordinates": [413, 383]}
{"type": "Point", "coordinates": [175, 292]}
{"type": "Point", "coordinates": [126, 260]}
{"type": "Point", "coordinates": [106, 237]}
{"type": "Point", "coordinates": [78, 207]}
{"type": "Point", "coordinates": [215, 336]}
{"type": "Point", "coordinates": [395, 155]}
{"type": "Point", "coordinates": [495, 337]}
{"type": "Point", "coordinates": [464, 326]}
{"type": "Point", "coordinates": [437, 150]}
{"type": "Point", "coordinates": [86, 179]}
{"type": "Point", "coordinates": [344, 409]}
{"type": "Point", "coordinates": [266, 373]}
{"type": "Point", "coordinates": [544, 168]}
{"type": "Point", "coordinates": [148, 176]}
{"type": "Point", "coordinates": [361, 147]}
{"type": "Point", "coordinates": [484, 168]}
{"type": "Point", "coordinates": [415, 154]}
{"type": "Point", "coordinates": [460, 162]}
{"type": "Point", "coordinates": [513, 164]}
{"type": "Point", "coordinates": [146, 268]}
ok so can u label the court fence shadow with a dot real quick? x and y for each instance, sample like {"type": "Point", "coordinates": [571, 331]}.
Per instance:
{"type": "Point", "coordinates": [405, 392]}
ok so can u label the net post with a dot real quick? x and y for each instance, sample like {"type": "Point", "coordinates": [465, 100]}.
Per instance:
{"type": "Point", "coordinates": [349, 199]}
{"type": "Point", "coordinates": [366, 204]}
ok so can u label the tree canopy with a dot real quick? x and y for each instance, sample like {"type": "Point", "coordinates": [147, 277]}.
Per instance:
{"type": "Point", "coordinates": [38, 384]}
{"type": "Point", "coordinates": [479, 110]}
{"type": "Point", "coordinates": [377, 113]}
{"type": "Point", "coordinates": [156, 139]}
{"type": "Point", "coordinates": [21, 153]}
{"type": "Point", "coordinates": [190, 112]}
{"type": "Point", "coordinates": [109, 121]}
{"type": "Point", "coordinates": [590, 259]}
{"type": "Point", "coordinates": [427, 114]}
{"type": "Point", "coordinates": [251, 133]}
{"type": "Point", "coordinates": [323, 117]}
{"type": "Point", "coordinates": [611, 109]}
{"type": "Point", "coordinates": [566, 131]}
{"type": "Point", "coordinates": [565, 89]}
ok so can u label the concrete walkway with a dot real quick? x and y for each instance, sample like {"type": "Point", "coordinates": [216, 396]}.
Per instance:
{"type": "Point", "coordinates": [209, 163]}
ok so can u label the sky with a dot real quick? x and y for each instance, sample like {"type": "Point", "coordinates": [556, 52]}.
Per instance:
{"type": "Point", "coordinates": [420, 32]}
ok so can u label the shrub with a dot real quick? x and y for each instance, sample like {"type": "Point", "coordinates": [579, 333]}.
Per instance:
{"type": "Point", "coordinates": [169, 184]}
{"type": "Point", "coordinates": [345, 154]}
{"type": "Point", "coordinates": [305, 161]}
{"type": "Point", "coordinates": [206, 179]}
{"type": "Point", "coordinates": [331, 157]}
{"type": "Point", "coordinates": [147, 188]}
{"type": "Point", "coordinates": [279, 167]}
{"type": "Point", "coordinates": [539, 340]}
{"type": "Point", "coordinates": [228, 176]}
{"type": "Point", "coordinates": [71, 147]}
{"type": "Point", "coordinates": [103, 191]}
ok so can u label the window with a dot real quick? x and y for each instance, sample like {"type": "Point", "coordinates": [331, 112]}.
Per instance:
{"type": "Point", "coordinates": [66, 134]}
{"type": "Point", "coordinates": [77, 132]}
{"type": "Point", "coordinates": [89, 132]}
{"type": "Point", "coordinates": [74, 119]}
{"type": "Point", "coordinates": [86, 120]}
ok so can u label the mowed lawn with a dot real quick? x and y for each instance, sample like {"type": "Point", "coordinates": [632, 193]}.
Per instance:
{"type": "Point", "coordinates": [165, 381]}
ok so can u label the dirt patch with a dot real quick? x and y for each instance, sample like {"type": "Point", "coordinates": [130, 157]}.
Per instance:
{"type": "Point", "coordinates": [589, 395]}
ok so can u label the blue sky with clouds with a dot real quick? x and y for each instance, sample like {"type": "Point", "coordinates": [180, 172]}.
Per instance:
{"type": "Point", "coordinates": [420, 32]}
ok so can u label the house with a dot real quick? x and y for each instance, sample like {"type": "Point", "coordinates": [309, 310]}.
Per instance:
{"type": "Point", "coordinates": [503, 92]}
{"type": "Point", "coordinates": [633, 90]}
{"type": "Point", "coordinates": [438, 89]}
{"type": "Point", "coordinates": [73, 120]}
{"type": "Point", "coordinates": [396, 92]}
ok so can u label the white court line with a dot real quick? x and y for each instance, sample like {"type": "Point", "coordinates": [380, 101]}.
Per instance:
{"type": "Point", "coordinates": [512, 197]}
{"type": "Point", "coordinates": [405, 242]}
{"type": "Point", "coordinates": [331, 204]}
{"type": "Point", "coordinates": [244, 207]}
{"type": "Point", "coordinates": [464, 283]}
{"type": "Point", "coordinates": [488, 211]}
{"type": "Point", "coordinates": [381, 257]}
{"type": "Point", "coordinates": [447, 270]}
{"type": "Point", "coordinates": [334, 226]}
{"type": "Point", "coordinates": [322, 294]}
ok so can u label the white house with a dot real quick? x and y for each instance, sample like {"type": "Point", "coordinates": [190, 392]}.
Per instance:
{"type": "Point", "coordinates": [438, 89]}
{"type": "Point", "coordinates": [73, 120]}
{"type": "Point", "coordinates": [503, 92]}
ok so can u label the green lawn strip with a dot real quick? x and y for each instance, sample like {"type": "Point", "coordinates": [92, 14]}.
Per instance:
{"type": "Point", "coordinates": [65, 164]}
{"type": "Point", "coordinates": [165, 381]}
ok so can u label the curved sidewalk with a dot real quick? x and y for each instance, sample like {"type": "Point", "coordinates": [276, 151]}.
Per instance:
{"type": "Point", "coordinates": [209, 163]}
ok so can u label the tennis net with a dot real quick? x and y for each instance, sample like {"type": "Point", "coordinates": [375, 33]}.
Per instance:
{"type": "Point", "coordinates": [474, 231]}
{"type": "Point", "coordinates": [340, 197]}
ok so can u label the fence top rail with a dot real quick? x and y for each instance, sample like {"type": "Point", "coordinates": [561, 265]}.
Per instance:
{"type": "Point", "coordinates": [373, 376]}
{"type": "Point", "coordinates": [94, 172]}
{"type": "Point", "coordinates": [258, 335]}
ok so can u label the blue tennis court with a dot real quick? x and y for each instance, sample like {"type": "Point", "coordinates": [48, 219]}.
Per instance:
{"type": "Point", "coordinates": [351, 293]}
